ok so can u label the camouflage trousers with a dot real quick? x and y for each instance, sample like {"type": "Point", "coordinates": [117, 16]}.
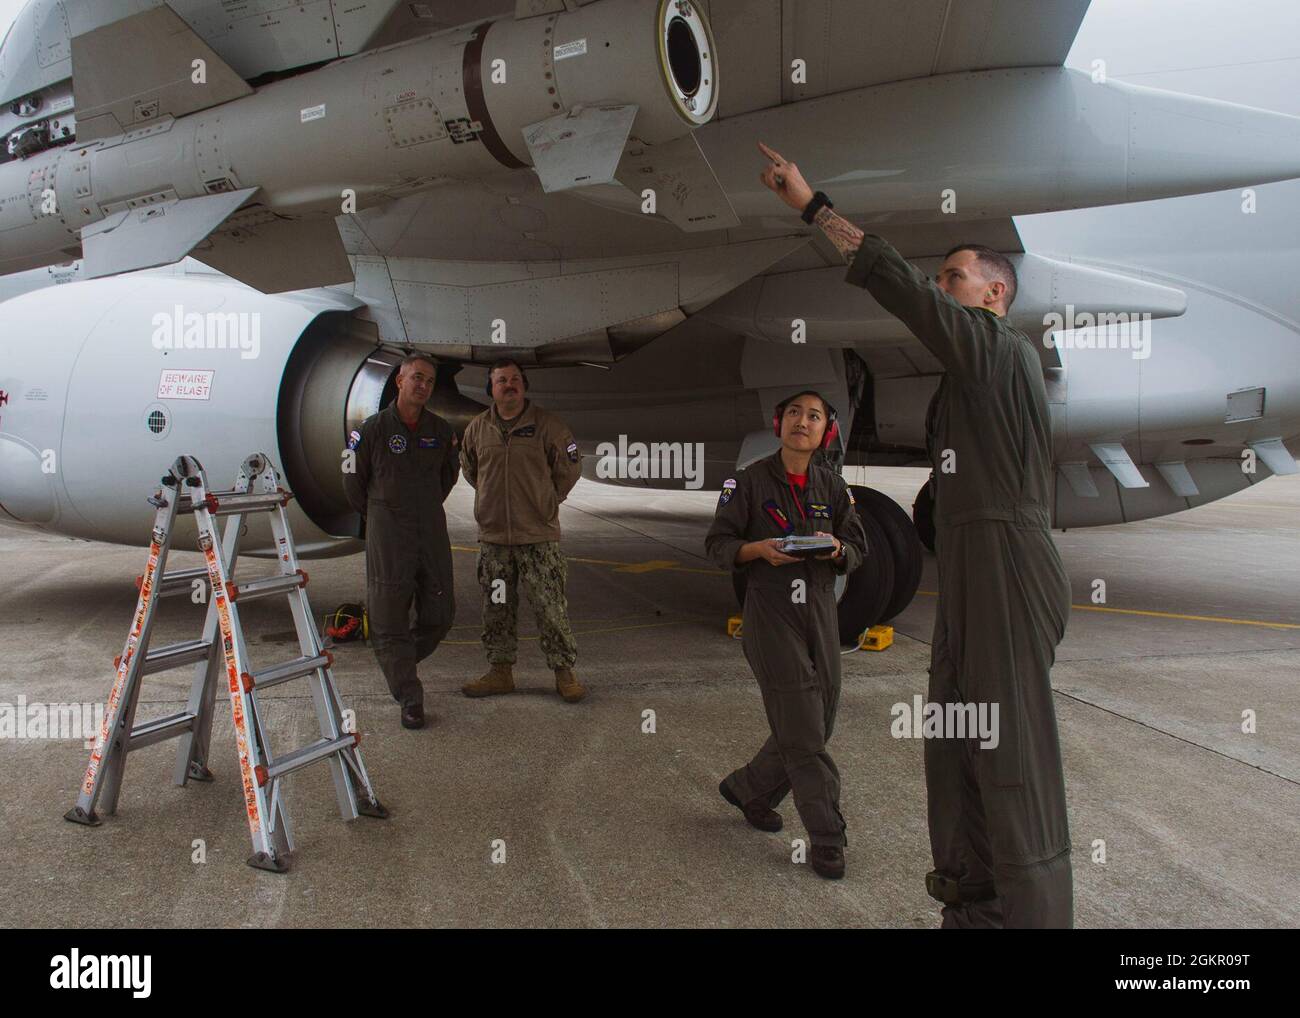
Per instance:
{"type": "Point", "coordinates": [542, 571]}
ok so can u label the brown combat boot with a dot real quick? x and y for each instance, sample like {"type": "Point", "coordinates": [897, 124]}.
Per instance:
{"type": "Point", "coordinates": [568, 686]}
{"type": "Point", "coordinates": [497, 679]}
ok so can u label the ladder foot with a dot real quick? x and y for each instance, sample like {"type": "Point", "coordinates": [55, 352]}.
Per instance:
{"type": "Point", "coordinates": [198, 772]}
{"type": "Point", "coordinates": [79, 816]}
{"type": "Point", "coordinates": [275, 864]}
{"type": "Point", "coordinates": [372, 809]}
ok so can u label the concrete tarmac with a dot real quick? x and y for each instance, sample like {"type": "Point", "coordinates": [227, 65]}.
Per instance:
{"type": "Point", "coordinates": [1178, 817]}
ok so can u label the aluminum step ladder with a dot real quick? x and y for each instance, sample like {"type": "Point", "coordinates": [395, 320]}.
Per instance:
{"type": "Point", "coordinates": [222, 650]}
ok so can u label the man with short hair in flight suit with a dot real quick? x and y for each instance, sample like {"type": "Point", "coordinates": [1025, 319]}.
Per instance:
{"type": "Point", "coordinates": [406, 461]}
{"type": "Point", "coordinates": [998, 827]}
{"type": "Point", "coordinates": [791, 633]}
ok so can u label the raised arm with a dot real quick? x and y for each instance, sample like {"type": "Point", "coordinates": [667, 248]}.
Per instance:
{"type": "Point", "coordinates": [966, 341]}
{"type": "Point", "coordinates": [846, 237]}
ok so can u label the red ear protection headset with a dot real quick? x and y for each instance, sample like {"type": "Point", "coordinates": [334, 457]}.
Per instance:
{"type": "Point", "coordinates": [832, 425]}
{"type": "Point", "coordinates": [522, 375]}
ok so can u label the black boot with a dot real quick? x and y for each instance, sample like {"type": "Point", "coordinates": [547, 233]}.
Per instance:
{"type": "Point", "coordinates": [828, 861]}
{"type": "Point", "coordinates": [758, 814]}
{"type": "Point", "coordinates": [413, 716]}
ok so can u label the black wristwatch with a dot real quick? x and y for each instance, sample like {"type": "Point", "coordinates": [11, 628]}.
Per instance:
{"type": "Point", "coordinates": [819, 200]}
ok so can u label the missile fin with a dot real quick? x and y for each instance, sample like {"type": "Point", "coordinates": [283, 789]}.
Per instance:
{"type": "Point", "coordinates": [140, 238]}
{"type": "Point", "coordinates": [144, 68]}
{"type": "Point", "coordinates": [687, 192]}
{"type": "Point", "coordinates": [276, 254]}
{"type": "Point", "coordinates": [581, 147]}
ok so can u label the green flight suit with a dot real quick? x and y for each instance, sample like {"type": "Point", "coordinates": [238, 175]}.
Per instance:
{"type": "Point", "coordinates": [998, 828]}
{"type": "Point", "coordinates": [401, 480]}
{"type": "Point", "coordinates": [791, 635]}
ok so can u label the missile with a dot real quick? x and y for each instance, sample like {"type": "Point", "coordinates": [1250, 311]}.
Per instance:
{"type": "Point", "coordinates": [161, 161]}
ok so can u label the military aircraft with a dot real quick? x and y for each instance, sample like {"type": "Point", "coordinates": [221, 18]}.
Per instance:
{"type": "Point", "coordinates": [256, 210]}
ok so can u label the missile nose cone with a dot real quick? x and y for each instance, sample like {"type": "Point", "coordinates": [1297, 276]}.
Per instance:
{"type": "Point", "coordinates": [1180, 144]}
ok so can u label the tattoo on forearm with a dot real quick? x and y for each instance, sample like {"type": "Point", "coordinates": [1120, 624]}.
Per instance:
{"type": "Point", "coordinates": [846, 237]}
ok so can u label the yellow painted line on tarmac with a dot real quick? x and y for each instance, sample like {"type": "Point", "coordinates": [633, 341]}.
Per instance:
{"type": "Point", "coordinates": [577, 622]}
{"type": "Point", "coordinates": [666, 565]}
{"type": "Point", "coordinates": [650, 566]}
{"type": "Point", "coordinates": [1189, 618]}
{"type": "Point", "coordinates": [1167, 615]}
{"type": "Point", "coordinates": [654, 565]}
{"type": "Point", "coordinates": [586, 632]}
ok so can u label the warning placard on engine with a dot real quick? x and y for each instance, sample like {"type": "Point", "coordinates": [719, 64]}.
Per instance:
{"type": "Point", "coordinates": [185, 384]}
{"type": "Point", "coordinates": [576, 48]}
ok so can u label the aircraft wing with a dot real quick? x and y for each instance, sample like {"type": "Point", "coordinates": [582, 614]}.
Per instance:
{"type": "Point", "coordinates": [465, 243]}
{"type": "Point", "coordinates": [847, 44]}
{"type": "Point", "coordinates": [844, 44]}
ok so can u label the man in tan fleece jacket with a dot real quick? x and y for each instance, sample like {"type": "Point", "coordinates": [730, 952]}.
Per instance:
{"type": "Point", "coordinates": [522, 462]}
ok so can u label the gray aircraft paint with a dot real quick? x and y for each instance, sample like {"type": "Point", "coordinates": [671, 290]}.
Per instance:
{"type": "Point", "coordinates": [699, 383]}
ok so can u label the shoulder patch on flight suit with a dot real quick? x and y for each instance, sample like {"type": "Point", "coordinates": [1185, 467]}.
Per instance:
{"type": "Point", "coordinates": [728, 489]}
{"type": "Point", "coordinates": [397, 443]}
{"type": "Point", "coordinates": [429, 443]}
{"type": "Point", "coordinates": [354, 439]}
{"type": "Point", "coordinates": [773, 510]}
{"type": "Point", "coordinates": [527, 431]}
{"type": "Point", "coordinates": [572, 450]}
{"type": "Point", "coordinates": [852, 501]}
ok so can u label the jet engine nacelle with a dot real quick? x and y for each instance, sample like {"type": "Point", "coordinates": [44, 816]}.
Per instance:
{"type": "Point", "coordinates": [104, 383]}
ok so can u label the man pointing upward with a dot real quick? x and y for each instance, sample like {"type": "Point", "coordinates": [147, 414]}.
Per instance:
{"type": "Point", "coordinates": [998, 828]}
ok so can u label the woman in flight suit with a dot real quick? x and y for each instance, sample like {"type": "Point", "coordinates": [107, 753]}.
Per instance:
{"type": "Point", "coordinates": [791, 630]}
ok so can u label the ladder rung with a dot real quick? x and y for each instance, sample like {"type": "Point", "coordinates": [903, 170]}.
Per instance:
{"type": "Point", "coordinates": [228, 503]}
{"type": "Point", "coordinates": [149, 732]}
{"type": "Point", "coordinates": [294, 669]}
{"type": "Point", "coordinates": [310, 753]}
{"type": "Point", "coordinates": [266, 586]}
{"type": "Point", "coordinates": [172, 656]}
{"type": "Point", "coordinates": [179, 582]}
